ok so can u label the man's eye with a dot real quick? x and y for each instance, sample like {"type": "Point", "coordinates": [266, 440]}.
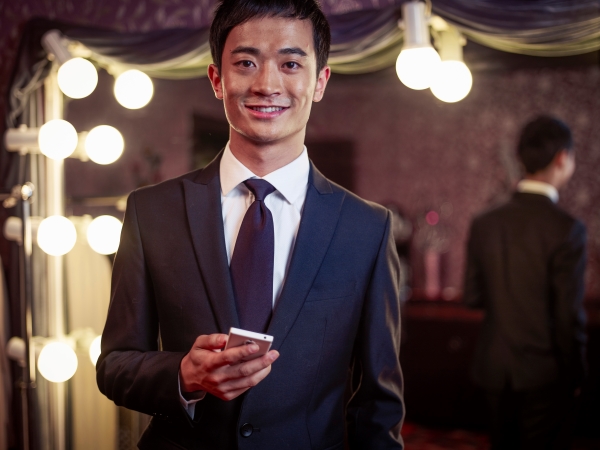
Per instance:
{"type": "Point", "coordinates": [246, 63]}
{"type": "Point", "coordinates": [291, 65]}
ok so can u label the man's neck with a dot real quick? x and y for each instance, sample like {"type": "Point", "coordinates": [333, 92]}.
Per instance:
{"type": "Point", "coordinates": [262, 159]}
{"type": "Point", "coordinates": [543, 178]}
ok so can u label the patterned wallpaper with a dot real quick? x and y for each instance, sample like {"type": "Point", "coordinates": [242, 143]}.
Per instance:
{"type": "Point", "coordinates": [459, 159]}
{"type": "Point", "coordinates": [409, 148]}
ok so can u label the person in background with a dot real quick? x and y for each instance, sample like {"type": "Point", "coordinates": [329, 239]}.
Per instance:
{"type": "Point", "coordinates": [525, 268]}
{"type": "Point", "coordinates": [261, 240]}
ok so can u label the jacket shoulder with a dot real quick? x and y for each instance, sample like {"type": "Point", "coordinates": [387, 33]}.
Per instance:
{"type": "Point", "coordinates": [165, 189]}
{"type": "Point", "coordinates": [359, 208]}
{"type": "Point", "coordinates": [533, 210]}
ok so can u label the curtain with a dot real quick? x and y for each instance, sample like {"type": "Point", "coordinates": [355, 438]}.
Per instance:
{"type": "Point", "coordinates": [362, 41]}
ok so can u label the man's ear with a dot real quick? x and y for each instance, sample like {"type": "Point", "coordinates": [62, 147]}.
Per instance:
{"type": "Point", "coordinates": [321, 83]}
{"type": "Point", "coordinates": [562, 158]}
{"type": "Point", "coordinates": [215, 80]}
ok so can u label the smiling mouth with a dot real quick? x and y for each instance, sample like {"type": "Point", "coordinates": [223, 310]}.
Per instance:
{"type": "Point", "coordinates": [266, 109]}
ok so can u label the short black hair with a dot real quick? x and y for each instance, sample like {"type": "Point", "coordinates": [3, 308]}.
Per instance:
{"type": "Point", "coordinates": [540, 141]}
{"type": "Point", "coordinates": [231, 13]}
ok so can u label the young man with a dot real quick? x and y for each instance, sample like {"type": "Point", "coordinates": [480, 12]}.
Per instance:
{"type": "Point", "coordinates": [526, 263]}
{"type": "Point", "coordinates": [260, 240]}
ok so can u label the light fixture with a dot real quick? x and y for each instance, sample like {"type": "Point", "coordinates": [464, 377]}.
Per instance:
{"type": "Point", "coordinates": [57, 361]}
{"type": "Point", "coordinates": [452, 80]}
{"type": "Point", "coordinates": [16, 350]}
{"type": "Point", "coordinates": [133, 89]}
{"type": "Point", "coordinates": [77, 77]}
{"type": "Point", "coordinates": [104, 144]}
{"type": "Point", "coordinates": [56, 235]}
{"type": "Point", "coordinates": [104, 234]}
{"type": "Point", "coordinates": [57, 139]}
{"type": "Point", "coordinates": [13, 228]}
{"type": "Point", "coordinates": [418, 59]}
{"type": "Point", "coordinates": [95, 349]}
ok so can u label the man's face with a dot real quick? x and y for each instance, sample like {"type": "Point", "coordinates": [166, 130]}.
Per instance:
{"type": "Point", "coordinates": [268, 80]}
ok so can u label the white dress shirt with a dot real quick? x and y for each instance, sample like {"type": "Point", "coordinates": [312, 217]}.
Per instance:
{"type": "Point", "coordinates": [285, 203]}
{"type": "Point", "coordinates": [538, 187]}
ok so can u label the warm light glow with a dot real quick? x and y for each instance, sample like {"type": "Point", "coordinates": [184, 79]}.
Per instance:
{"type": "Point", "coordinates": [133, 89]}
{"type": "Point", "coordinates": [104, 234]}
{"type": "Point", "coordinates": [77, 78]}
{"type": "Point", "coordinates": [432, 218]}
{"type": "Point", "coordinates": [104, 144]}
{"type": "Point", "coordinates": [416, 66]}
{"type": "Point", "coordinates": [57, 139]}
{"type": "Point", "coordinates": [57, 362]}
{"type": "Point", "coordinates": [56, 235]}
{"type": "Point", "coordinates": [452, 81]}
{"type": "Point", "coordinates": [95, 349]}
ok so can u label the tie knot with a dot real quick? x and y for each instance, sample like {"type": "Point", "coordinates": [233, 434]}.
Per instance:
{"type": "Point", "coordinates": [260, 188]}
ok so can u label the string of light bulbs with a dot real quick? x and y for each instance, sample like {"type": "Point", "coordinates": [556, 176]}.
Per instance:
{"type": "Point", "coordinates": [56, 235]}
{"type": "Point", "coordinates": [419, 66]}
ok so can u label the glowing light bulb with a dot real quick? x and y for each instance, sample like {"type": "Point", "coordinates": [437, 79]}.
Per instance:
{"type": "Point", "coordinates": [452, 81]}
{"type": "Point", "coordinates": [104, 234]}
{"type": "Point", "coordinates": [56, 235]}
{"type": "Point", "coordinates": [57, 139]}
{"type": "Point", "coordinates": [133, 89]}
{"type": "Point", "coordinates": [95, 349]}
{"type": "Point", "coordinates": [57, 362]}
{"type": "Point", "coordinates": [416, 66]}
{"type": "Point", "coordinates": [104, 144]}
{"type": "Point", "coordinates": [77, 78]}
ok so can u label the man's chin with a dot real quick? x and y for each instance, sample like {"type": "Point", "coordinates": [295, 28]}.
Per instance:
{"type": "Point", "coordinates": [265, 139]}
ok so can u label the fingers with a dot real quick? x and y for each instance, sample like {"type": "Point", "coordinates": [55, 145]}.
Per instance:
{"type": "Point", "coordinates": [234, 355]}
{"type": "Point", "coordinates": [214, 341]}
{"type": "Point", "coordinates": [223, 374]}
{"type": "Point", "coordinates": [243, 384]}
{"type": "Point", "coordinates": [250, 367]}
{"type": "Point", "coordinates": [250, 372]}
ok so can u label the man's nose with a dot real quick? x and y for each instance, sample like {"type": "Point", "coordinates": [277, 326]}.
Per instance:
{"type": "Point", "coordinates": [267, 81]}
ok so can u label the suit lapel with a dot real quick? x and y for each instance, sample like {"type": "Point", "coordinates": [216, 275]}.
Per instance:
{"type": "Point", "coordinates": [203, 205]}
{"type": "Point", "coordinates": [317, 226]}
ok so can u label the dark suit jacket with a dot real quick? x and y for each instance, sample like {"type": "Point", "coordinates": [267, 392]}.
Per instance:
{"type": "Point", "coordinates": [339, 308]}
{"type": "Point", "coordinates": [526, 263]}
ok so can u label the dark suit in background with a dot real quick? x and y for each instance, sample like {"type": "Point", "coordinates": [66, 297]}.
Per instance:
{"type": "Point", "coordinates": [526, 262]}
{"type": "Point", "coordinates": [339, 308]}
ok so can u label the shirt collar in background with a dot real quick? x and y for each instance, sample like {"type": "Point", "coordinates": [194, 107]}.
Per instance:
{"type": "Point", "coordinates": [538, 187]}
{"type": "Point", "coordinates": [290, 180]}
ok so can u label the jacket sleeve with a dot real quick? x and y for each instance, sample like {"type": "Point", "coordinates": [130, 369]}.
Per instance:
{"type": "Point", "coordinates": [473, 286]}
{"type": "Point", "coordinates": [376, 410]}
{"type": "Point", "coordinates": [131, 370]}
{"type": "Point", "coordinates": [567, 275]}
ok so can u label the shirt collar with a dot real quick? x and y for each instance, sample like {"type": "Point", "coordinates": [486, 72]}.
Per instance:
{"type": "Point", "coordinates": [290, 180]}
{"type": "Point", "coordinates": [538, 187]}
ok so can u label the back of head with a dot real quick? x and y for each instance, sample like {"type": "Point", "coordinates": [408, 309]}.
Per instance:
{"type": "Point", "coordinates": [541, 140]}
{"type": "Point", "coordinates": [231, 13]}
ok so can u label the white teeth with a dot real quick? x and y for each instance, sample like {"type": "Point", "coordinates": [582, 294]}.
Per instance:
{"type": "Point", "coordinates": [269, 109]}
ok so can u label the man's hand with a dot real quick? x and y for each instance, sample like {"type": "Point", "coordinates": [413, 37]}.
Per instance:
{"type": "Point", "coordinates": [221, 373]}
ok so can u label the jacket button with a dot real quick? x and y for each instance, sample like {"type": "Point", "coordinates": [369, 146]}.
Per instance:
{"type": "Point", "coordinates": [246, 430]}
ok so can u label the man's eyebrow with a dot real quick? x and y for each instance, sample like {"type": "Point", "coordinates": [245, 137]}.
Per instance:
{"type": "Point", "coordinates": [255, 52]}
{"type": "Point", "coordinates": [248, 50]}
{"type": "Point", "coordinates": [292, 51]}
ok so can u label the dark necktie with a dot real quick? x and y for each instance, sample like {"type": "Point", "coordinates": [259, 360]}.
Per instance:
{"type": "Point", "coordinates": [252, 261]}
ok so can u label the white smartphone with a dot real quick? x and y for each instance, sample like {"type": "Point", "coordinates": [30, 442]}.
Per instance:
{"type": "Point", "coordinates": [239, 337]}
